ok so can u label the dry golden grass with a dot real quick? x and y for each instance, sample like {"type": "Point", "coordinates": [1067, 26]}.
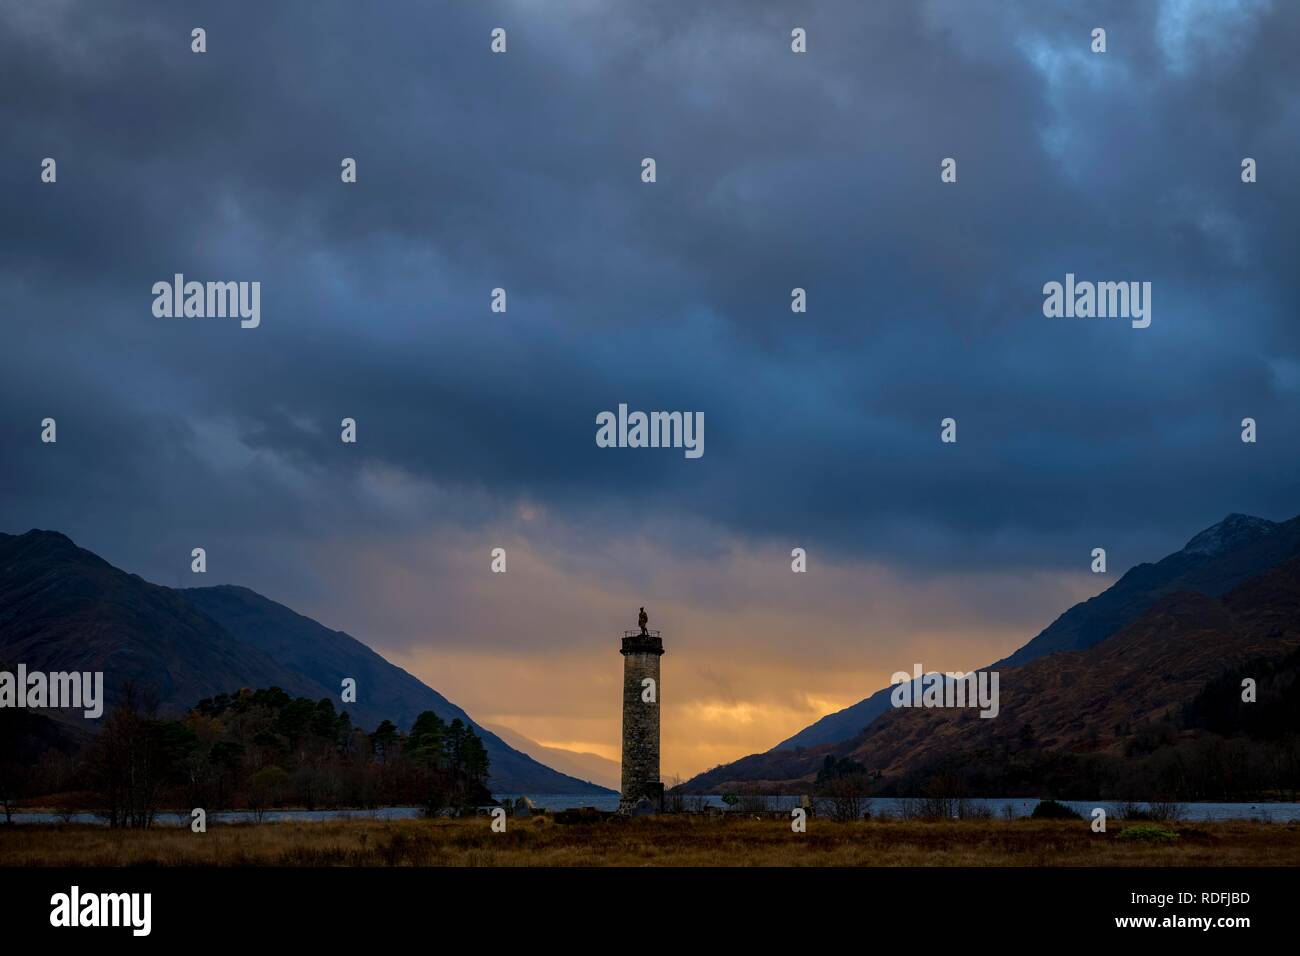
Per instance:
{"type": "Point", "coordinates": [665, 841]}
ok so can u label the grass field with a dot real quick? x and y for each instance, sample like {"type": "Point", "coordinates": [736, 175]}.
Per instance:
{"type": "Point", "coordinates": [663, 841]}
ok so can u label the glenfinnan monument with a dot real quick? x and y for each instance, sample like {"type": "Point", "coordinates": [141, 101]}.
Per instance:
{"type": "Point", "coordinates": [641, 652]}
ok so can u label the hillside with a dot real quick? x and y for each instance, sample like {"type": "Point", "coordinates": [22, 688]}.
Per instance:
{"type": "Point", "coordinates": [1213, 562]}
{"type": "Point", "coordinates": [1071, 701]}
{"type": "Point", "coordinates": [383, 689]}
{"type": "Point", "coordinates": [64, 608]}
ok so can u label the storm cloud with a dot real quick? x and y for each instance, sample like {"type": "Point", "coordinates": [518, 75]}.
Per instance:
{"type": "Point", "coordinates": [522, 171]}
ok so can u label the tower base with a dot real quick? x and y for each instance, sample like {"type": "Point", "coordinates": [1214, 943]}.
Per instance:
{"type": "Point", "coordinates": [651, 801]}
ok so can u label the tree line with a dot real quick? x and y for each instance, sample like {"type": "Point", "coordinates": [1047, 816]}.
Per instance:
{"type": "Point", "coordinates": [253, 750]}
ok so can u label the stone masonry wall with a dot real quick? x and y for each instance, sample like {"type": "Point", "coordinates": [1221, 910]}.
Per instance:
{"type": "Point", "coordinates": [640, 721]}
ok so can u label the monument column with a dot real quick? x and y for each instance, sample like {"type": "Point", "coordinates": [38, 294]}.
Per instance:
{"type": "Point", "coordinates": [641, 652]}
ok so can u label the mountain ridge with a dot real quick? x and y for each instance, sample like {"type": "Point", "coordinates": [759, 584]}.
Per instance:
{"type": "Point", "coordinates": [1073, 701]}
{"type": "Point", "coordinates": [63, 607]}
{"type": "Point", "coordinates": [1213, 561]}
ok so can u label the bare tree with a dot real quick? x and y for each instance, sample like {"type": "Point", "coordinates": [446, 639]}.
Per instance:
{"type": "Point", "coordinates": [127, 761]}
{"type": "Point", "coordinates": [844, 798]}
{"type": "Point", "coordinates": [752, 799]}
{"type": "Point", "coordinates": [13, 775]}
{"type": "Point", "coordinates": [674, 799]}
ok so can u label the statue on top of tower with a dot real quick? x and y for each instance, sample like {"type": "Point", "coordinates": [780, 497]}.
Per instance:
{"type": "Point", "coordinates": [643, 619]}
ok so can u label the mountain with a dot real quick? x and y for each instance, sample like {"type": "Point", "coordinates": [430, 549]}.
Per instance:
{"type": "Point", "coordinates": [326, 657]}
{"type": "Point", "coordinates": [1213, 562]}
{"type": "Point", "coordinates": [577, 763]}
{"type": "Point", "coordinates": [1075, 701]}
{"type": "Point", "coordinates": [64, 608]}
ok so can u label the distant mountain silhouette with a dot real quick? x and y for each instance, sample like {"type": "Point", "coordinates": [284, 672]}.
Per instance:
{"type": "Point", "coordinates": [1212, 563]}
{"type": "Point", "coordinates": [576, 763]}
{"type": "Point", "coordinates": [64, 608]}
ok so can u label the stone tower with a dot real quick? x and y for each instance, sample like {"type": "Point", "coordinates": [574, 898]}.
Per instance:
{"type": "Point", "coordinates": [641, 653]}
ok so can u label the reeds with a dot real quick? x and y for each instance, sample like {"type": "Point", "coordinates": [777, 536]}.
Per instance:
{"type": "Point", "coordinates": [663, 841]}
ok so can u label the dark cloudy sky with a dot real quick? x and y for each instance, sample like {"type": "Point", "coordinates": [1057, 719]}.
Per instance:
{"type": "Point", "coordinates": [775, 170]}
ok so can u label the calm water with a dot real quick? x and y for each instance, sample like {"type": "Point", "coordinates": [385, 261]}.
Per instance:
{"type": "Point", "coordinates": [1020, 807]}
